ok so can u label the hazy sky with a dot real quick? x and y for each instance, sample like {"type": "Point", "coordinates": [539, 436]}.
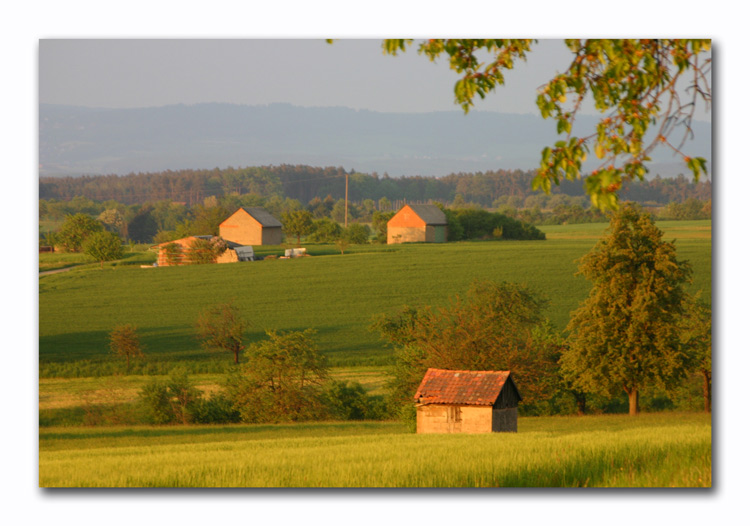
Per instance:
{"type": "Point", "coordinates": [303, 72]}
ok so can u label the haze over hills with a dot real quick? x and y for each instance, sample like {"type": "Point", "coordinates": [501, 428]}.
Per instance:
{"type": "Point", "coordinates": [78, 140]}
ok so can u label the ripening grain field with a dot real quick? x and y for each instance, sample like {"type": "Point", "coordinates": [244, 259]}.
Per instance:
{"type": "Point", "coordinates": [652, 450]}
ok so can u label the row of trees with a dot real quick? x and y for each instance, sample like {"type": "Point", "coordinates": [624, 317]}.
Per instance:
{"type": "Point", "coordinates": [298, 222]}
{"type": "Point", "coordinates": [307, 183]}
{"type": "Point", "coordinates": [282, 378]}
{"type": "Point", "coordinates": [81, 233]}
{"type": "Point", "coordinates": [164, 221]}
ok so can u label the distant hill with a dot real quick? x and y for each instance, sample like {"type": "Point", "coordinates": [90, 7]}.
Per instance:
{"type": "Point", "coordinates": [78, 140]}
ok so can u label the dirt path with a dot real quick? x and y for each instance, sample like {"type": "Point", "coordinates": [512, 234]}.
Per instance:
{"type": "Point", "coordinates": [57, 270]}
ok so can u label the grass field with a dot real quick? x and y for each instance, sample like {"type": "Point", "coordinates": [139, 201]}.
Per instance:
{"type": "Point", "coordinates": [337, 295]}
{"type": "Point", "coordinates": [654, 450]}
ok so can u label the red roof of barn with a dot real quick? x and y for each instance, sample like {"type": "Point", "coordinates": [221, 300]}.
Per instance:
{"type": "Point", "coordinates": [442, 386]}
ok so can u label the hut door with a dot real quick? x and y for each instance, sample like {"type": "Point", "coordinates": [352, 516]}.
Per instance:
{"type": "Point", "coordinates": [454, 418]}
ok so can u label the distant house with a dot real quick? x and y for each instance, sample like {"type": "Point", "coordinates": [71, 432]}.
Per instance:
{"type": "Point", "coordinates": [176, 252]}
{"type": "Point", "coordinates": [467, 402]}
{"type": "Point", "coordinates": [414, 223]}
{"type": "Point", "coordinates": [251, 226]}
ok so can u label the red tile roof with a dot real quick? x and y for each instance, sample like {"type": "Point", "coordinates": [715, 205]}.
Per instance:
{"type": "Point", "coordinates": [442, 386]}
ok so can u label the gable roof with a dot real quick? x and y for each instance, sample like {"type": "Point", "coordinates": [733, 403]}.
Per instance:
{"type": "Point", "coordinates": [430, 214]}
{"type": "Point", "coordinates": [443, 386]}
{"type": "Point", "coordinates": [261, 216]}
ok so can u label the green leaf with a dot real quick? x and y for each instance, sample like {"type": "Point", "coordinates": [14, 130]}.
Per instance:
{"type": "Point", "coordinates": [599, 150]}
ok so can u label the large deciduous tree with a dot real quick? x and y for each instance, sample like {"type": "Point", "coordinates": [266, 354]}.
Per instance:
{"type": "Point", "coordinates": [626, 333]}
{"type": "Point", "coordinates": [222, 328]}
{"type": "Point", "coordinates": [281, 379]}
{"type": "Point", "coordinates": [495, 326]}
{"type": "Point", "coordinates": [634, 83]}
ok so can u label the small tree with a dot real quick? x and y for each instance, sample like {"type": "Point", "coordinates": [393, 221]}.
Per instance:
{"type": "Point", "coordinates": [342, 244]}
{"type": "Point", "coordinates": [626, 334]}
{"type": "Point", "coordinates": [175, 399]}
{"type": "Point", "coordinates": [281, 379]}
{"type": "Point", "coordinates": [222, 328]}
{"type": "Point", "coordinates": [380, 225]}
{"type": "Point", "coordinates": [297, 223]}
{"type": "Point", "coordinates": [103, 246]}
{"type": "Point", "coordinates": [75, 230]}
{"type": "Point", "coordinates": [125, 343]}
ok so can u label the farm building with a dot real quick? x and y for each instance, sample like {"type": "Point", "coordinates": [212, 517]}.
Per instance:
{"type": "Point", "coordinates": [414, 223]}
{"type": "Point", "coordinates": [251, 226]}
{"type": "Point", "coordinates": [176, 252]}
{"type": "Point", "coordinates": [467, 402]}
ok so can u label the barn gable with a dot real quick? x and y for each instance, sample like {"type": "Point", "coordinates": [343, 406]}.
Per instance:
{"type": "Point", "coordinates": [418, 223]}
{"type": "Point", "coordinates": [251, 226]}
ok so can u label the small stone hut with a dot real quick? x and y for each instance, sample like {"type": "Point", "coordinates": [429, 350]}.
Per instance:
{"type": "Point", "coordinates": [251, 226]}
{"type": "Point", "coordinates": [467, 402]}
{"type": "Point", "coordinates": [415, 223]}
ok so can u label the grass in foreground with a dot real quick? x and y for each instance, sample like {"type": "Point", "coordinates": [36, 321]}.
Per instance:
{"type": "Point", "coordinates": [652, 450]}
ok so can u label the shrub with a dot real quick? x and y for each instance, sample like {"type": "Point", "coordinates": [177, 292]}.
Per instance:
{"type": "Point", "coordinates": [76, 229]}
{"type": "Point", "coordinates": [170, 401]}
{"type": "Point", "coordinates": [218, 409]}
{"type": "Point", "coordinates": [358, 234]}
{"type": "Point", "coordinates": [325, 230]}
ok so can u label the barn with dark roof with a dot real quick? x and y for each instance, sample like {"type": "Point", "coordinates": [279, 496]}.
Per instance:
{"type": "Point", "coordinates": [467, 402]}
{"type": "Point", "coordinates": [418, 223]}
{"type": "Point", "coordinates": [251, 226]}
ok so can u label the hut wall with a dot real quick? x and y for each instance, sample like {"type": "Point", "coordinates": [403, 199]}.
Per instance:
{"type": "Point", "coordinates": [271, 236]}
{"type": "Point", "coordinates": [505, 420]}
{"type": "Point", "coordinates": [400, 234]}
{"type": "Point", "coordinates": [435, 418]}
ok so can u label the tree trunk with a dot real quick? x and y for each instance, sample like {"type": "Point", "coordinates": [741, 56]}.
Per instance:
{"type": "Point", "coordinates": [633, 401]}
{"type": "Point", "coordinates": [707, 391]}
{"type": "Point", "coordinates": [580, 402]}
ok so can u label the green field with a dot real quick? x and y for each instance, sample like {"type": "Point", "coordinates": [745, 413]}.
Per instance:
{"type": "Point", "coordinates": [654, 450]}
{"type": "Point", "coordinates": [337, 295]}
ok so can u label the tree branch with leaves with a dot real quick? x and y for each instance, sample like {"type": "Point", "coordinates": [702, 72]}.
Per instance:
{"type": "Point", "coordinates": [634, 84]}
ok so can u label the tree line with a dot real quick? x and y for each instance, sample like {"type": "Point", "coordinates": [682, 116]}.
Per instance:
{"type": "Point", "coordinates": [305, 183]}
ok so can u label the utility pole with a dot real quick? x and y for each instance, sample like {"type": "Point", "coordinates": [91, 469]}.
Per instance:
{"type": "Point", "coordinates": [346, 201]}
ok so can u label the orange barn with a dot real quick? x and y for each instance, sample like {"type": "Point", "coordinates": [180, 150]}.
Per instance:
{"type": "Point", "coordinates": [418, 223]}
{"type": "Point", "coordinates": [467, 402]}
{"type": "Point", "coordinates": [251, 226]}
